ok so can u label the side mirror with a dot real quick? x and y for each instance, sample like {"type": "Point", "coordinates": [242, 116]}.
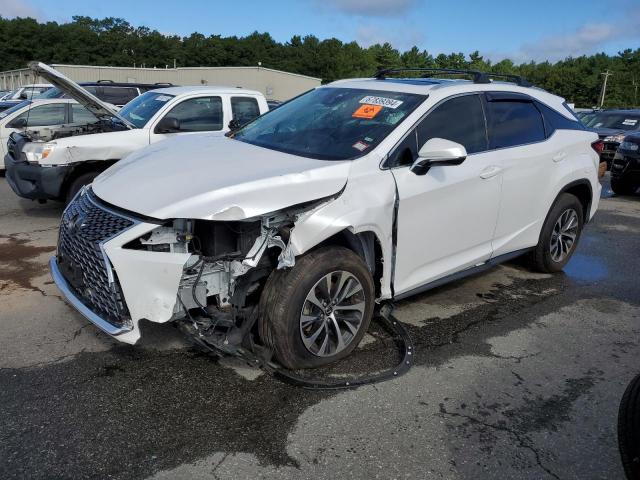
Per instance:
{"type": "Point", "coordinates": [168, 125]}
{"type": "Point", "coordinates": [234, 125]}
{"type": "Point", "coordinates": [18, 123]}
{"type": "Point", "coordinates": [438, 152]}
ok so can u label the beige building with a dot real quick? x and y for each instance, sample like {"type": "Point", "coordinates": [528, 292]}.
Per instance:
{"type": "Point", "coordinates": [274, 84]}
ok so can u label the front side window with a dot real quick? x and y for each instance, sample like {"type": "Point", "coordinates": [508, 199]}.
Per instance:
{"type": "Point", "coordinates": [331, 123]}
{"type": "Point", "coordinates": [79, 114]}
{"type": "Point", "coordinates": [513, 123]}
{"type": "Point", "coordinates": [203, 114]}
{"type": "Point", "coordinates": [140, 110]}
{"type": "Point", "coordinates": [244, 109]}
{"type": "Point", "coordinates": [459, 120]}
{"type": "Point", "coordinates": [43, 115]}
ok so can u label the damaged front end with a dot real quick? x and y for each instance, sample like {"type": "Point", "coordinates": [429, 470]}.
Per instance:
{"type": "Point", "coordinates": [229, 261]}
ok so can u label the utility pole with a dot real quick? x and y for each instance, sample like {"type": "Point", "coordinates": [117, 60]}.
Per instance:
{"type": "Point", "coordinates": [606, 75]}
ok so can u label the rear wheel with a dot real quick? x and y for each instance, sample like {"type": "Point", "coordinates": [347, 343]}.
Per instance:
{"type": "Point", "coordinates": [620, 186]}
{"type": "Point", "coordinates": [78, 183]}
{"type": "Point", "coordinates": [560, 234]}
{"type": "Point", "coordinates": [317, 312]}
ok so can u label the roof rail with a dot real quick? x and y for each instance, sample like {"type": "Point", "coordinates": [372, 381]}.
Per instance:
{"type": "Point", "coordinates": [104, 81]}
{"type": "Point", "coordinates": [478, 77]}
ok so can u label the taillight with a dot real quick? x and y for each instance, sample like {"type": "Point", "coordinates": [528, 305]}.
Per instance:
{"type": "Point", "coordinates": [598, 146]}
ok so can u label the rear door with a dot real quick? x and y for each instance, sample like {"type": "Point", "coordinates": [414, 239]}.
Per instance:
{"type": "Point", "coordinates": [519, 144]}
{"type": "Point", "coordinates": [446, 218]}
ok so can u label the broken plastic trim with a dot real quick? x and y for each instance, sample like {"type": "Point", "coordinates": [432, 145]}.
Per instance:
{"type": "Point", "coordinates": [383, 315]}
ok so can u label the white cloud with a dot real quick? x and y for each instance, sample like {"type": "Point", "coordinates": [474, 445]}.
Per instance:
{"type": "Point", "coordinates": [587, 39]}
{"type": "Point", "coordinates": [18, 8]}
{"type": "Point", "coordinates": [402, 39]}
{"type": "Point", "coordinates": [368, 8]}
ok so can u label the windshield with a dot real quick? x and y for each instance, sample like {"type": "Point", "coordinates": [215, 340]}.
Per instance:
{"type": "Point", "coordinates": [616, 121]}
{"type": "Point", "coordinates": [140, 110]}
{"type": "Point", "coordinates": [15, 108]}
{"type": "Point", "coordinates": [331, 123]}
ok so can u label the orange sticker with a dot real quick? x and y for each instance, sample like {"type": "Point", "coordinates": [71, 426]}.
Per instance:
{"type": "Point", "coordinates": [367, 111]}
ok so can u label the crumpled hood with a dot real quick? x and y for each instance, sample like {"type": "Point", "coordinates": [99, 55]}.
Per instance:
{"type": "Point", "coordinates": [216, 178]}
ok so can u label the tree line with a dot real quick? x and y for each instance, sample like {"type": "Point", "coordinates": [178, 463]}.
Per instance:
{"type": "Point", "coordinates": [115, 42]}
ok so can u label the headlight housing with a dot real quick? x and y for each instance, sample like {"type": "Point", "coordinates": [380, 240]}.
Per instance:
{"type": "Point", "coordinates": [37, 151]}
{"type": "Point", "coordinates": [615, 138]}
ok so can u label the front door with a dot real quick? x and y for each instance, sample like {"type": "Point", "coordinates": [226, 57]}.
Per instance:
{"type": "Point", "coordinates": [446, 218]}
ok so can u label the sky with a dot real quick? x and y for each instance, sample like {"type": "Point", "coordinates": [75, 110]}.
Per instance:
{"type": "Point", "coordinates": [516, 29]}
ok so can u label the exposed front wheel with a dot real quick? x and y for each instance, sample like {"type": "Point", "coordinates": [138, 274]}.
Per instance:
{"type": "Point", "coordinates": [560, 234]}
{"type": "Point", "coordinates": [317, 312]}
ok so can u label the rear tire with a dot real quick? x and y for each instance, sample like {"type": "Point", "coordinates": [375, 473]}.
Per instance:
{"type": "Point", "coordinates": [78, 183]}
{"type": "Point", "coordinates": [620, 186]}
{"type": "Point", "coordinates": [629, 429]}
{"type": "Point", "coordinates": [559, 236]}
{"type": "Point", "coordinates": [317, 312]}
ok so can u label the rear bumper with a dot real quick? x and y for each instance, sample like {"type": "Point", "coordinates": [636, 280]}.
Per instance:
{"type": "Point", "coordinates": [35, 182]}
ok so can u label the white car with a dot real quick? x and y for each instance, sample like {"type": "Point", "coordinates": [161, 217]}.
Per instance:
{"type": "Point", "coordinates": [39, 115]}
{"type": "Point", "coordinates": [287, 233]}
{"type": "Point", "coordinates": [55, 169]}
{"type": "Point", "coordinates": [26, 92]}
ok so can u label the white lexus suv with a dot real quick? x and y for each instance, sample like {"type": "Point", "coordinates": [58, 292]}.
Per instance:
{"type": "Point", "coordinates": [286, 233]}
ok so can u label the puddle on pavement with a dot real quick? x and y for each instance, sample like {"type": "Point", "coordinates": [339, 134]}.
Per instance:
{"type": "Point", "coordinates": [18, 262]}
{"type": "Point", "coordinates": [585, 268]}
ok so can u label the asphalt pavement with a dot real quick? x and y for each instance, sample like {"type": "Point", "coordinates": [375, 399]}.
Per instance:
{"type": "Point", "coordinates": [518, 375]}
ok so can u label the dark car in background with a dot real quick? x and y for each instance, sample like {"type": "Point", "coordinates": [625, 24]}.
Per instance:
{"type": "Point", "coordinates": [612, 126]}
{"type": "Point", "coordinates": [625, 169]}
{"type": "Point", "coordinates": [118, 94]}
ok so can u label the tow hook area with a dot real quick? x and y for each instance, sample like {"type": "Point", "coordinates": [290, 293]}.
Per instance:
{"type": "Point", "coordinates": [221, 336]}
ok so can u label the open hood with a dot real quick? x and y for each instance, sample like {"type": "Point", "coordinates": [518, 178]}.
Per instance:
{"type": "Point", "coordinates": [100, 109]}
{"type": "Point", "coordinates": [204, 176]}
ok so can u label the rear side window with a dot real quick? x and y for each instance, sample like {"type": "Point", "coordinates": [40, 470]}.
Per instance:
{"type": "Point", "coordinates": [118, 95]}
{"type": "Point", "coordinates": [460, 120]}
{"type": "Point", "coordinates": [244, 109]}
{"type": "Point", "coordinates": [198, 114]}
{"type": "Point", "coordinates": [44, 115]}
{"type": "Point", "coordinates": [79, 114]}
{"type": "Point", "coordinates": [513, 123]}
{"type": "Point", "coordinates": [555, 121]}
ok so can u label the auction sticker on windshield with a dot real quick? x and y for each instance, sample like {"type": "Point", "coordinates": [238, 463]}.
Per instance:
{"type": "Point", "coordinates": [367, 111]}
{"type": "Point", "coordinates": [382, 101]}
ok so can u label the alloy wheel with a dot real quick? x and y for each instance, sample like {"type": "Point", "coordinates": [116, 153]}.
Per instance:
{"type": "Point", "coordinates": [332, 313]}
{"type": "Point", "coordinates": [564, 234]}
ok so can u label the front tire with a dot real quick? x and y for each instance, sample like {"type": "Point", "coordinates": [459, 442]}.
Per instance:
{"type": "Point", "coordinates": [559, 236]}
{"type": "Point", "coordinates": [317, 312]}
{"type": "Point", "coordinates": [78, 183]}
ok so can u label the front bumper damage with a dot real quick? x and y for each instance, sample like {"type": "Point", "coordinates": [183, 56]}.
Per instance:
{"type": "Point", "coordinates": [158, 286]}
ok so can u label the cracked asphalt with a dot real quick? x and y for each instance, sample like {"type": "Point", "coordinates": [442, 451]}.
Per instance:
{"type": "Point", "coordinates": [517, 376]}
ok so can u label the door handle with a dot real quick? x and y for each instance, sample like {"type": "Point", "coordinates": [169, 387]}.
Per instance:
{"type": "Point", "coordinates": [490, 171]}
{"type": "Point", "coordinates": [559, 157]}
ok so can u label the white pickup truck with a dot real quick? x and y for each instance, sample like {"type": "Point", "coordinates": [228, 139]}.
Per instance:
{"type": "Point", "coordinates": [42, 166]}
